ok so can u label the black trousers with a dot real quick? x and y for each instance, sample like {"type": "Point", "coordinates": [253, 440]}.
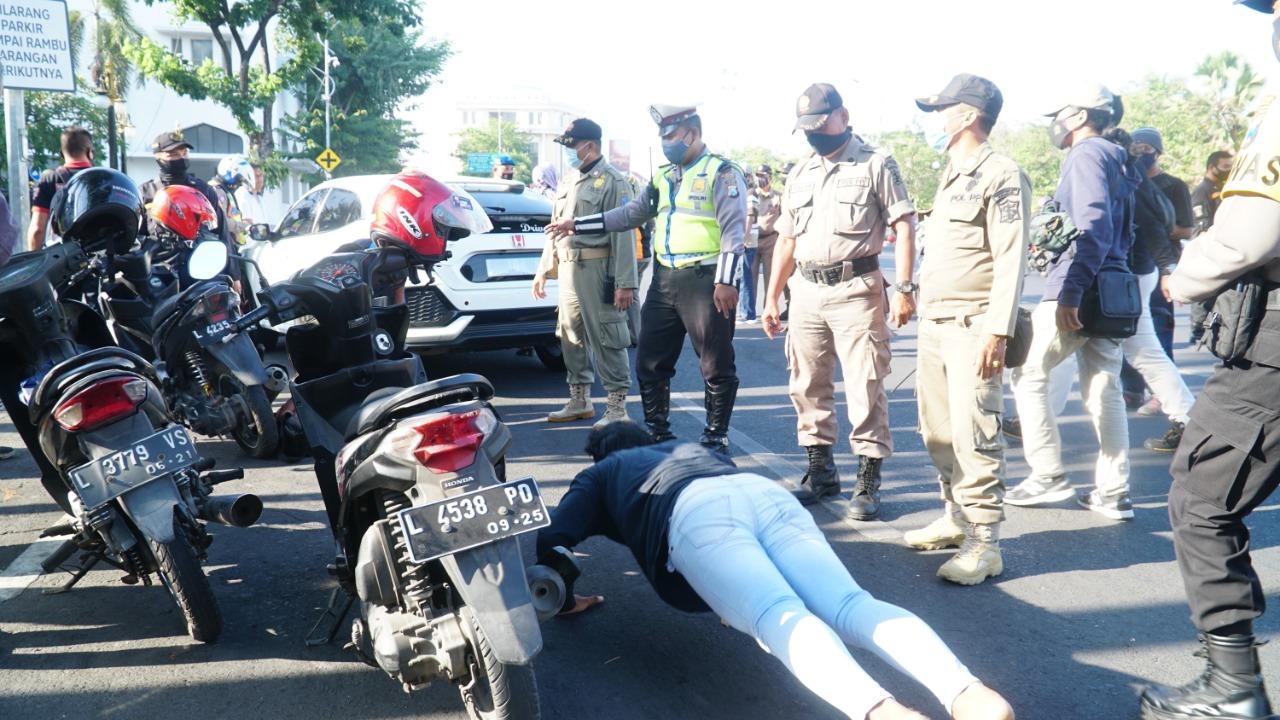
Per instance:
{"type": "Point", "coordinates": [1226, 465]}
{"type": "Point", "coordinates": [682, 302]}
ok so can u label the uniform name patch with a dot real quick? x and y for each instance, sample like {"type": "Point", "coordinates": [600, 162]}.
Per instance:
{"type": "Point", "coordinates": [854, 182]}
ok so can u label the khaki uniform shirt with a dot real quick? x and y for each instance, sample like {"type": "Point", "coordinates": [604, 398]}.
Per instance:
{"type": "Point", "coordinates": [839, 210]}
{"type": "Point", "coordinates": [602, 188]}
{"type": "Point", "coordinates": [976, 242]}
{"type": "Point", "coordinates": [768, 209]}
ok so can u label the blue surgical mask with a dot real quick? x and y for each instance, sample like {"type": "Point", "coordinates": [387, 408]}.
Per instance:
{"type": "Point", "coordinates": [935, 132]}
{"type": "Point", "coordinates": [571, 157]}
{"type": "Point", "coordinates": [674, 151]}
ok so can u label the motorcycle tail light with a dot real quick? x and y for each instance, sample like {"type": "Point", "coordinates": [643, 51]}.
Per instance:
{"type": "Point", "coordinates": [100, 403]}
{"type": "Point", "coordinates": [444, 442]}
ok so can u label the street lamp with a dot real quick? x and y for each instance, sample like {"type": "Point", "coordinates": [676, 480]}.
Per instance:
{"type": "Point", "coordinates": [121, 117]}
{"type": "Point", "coordinates": [102, 101]}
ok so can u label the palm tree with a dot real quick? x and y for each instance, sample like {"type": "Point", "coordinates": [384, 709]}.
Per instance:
{"type": "Point", "coordinates": [1232, 86]}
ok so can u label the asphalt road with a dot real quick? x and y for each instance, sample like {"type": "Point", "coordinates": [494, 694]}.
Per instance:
{"type": "Point", "coordinates": [1086, 611]}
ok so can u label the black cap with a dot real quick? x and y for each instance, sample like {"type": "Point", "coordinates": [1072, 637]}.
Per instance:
{"type": "Point", "coordinates": [1264, 6]}
{"type": "Point", "coordinates": [169, 141]}
{"type": "Point", "coordinates": [813, 107]}
{"type": "Point", "coordinates": [764, 170]}
{"type": "Point", "coordinates": [970, 90]}
{"type": "Point", "coordinates": [580, 129]}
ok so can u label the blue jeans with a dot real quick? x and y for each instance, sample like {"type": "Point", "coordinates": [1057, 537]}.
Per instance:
{"type": "Point", "coordinates": [755, 555]}
{"type": "Point", "coordinates": [747, 286]}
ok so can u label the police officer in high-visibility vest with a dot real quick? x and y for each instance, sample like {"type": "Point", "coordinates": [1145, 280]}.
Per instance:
{"type": "Point", "coordinates": [700, 203]}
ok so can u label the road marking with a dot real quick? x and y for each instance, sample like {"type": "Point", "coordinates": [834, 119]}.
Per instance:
{"type": "Point", "coordinates": [25, 568]}
{"type": "Point", "coordinates": [785, 469]}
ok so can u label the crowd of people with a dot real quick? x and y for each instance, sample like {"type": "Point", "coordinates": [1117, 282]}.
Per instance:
{"type": "Point", "coordinates": [827, 229]}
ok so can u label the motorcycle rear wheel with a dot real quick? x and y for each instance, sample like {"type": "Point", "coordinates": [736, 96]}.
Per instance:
{"type": "Point", "coordinates": [182, 576]}
{"type": "Point", "coordinates": [260, 437]}
{"type": "Point", "coordinates": [499, 692]}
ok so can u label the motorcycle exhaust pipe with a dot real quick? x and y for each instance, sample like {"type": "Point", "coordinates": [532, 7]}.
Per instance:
{"type": "Point", "coordinates": [547, 590]}
{"type": "Point", "coordinates": [234, 510]}
{"type": "Point", "coordinates": [551, 581]}
{"type": "Point", "coordinates": [277, 380]}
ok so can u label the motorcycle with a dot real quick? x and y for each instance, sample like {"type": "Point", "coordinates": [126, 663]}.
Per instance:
{"type": "Point", "coordinates": [136, 489]}
{"type": "Point", "coordinates": [213, 380]}
{"type": "Point", "coordinates": [413, 477]}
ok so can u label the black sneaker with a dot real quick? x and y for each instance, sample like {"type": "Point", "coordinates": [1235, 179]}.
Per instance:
{"type": "Point", "coordinates": [1012, 427]}
{"type": "Point", "coordinates": [1170, 441]}
{"type": "Point", "coordinates": [6, 452]}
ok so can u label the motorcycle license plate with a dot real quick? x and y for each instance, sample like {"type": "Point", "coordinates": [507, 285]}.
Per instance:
{"type": "Point", "coordinates": [119, 472]}
{"type": "Point", "coordinates": [213, 332]}
{"type": "Point", "coordinates": [472, 519]}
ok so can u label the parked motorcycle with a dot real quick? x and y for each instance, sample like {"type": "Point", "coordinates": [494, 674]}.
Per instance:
{"type": "Point", "coordinates": [413, 473]}
{"type": "Point", "coordinates": [136, 489]}
{"type": "Point", "coordinates": [214, 381]}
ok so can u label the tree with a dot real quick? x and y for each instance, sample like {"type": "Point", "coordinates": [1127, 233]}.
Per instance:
{"type": "Point", "coordinates": [1231, 86]}
{"type": "Point", "coordinates": [500, 136]}
{"type": "Point", "coordinates": [240, 30]}
{"type": "Point", "coordinates": [921, 165]}
{"type": "Point", "coordinates": [113, 29]}
{"type": "Point", "coordinates": [1029, 146]}
{"type": "Point", "coordinates": [379, 67]}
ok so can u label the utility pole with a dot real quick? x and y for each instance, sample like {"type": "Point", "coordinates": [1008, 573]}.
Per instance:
{"type": "Point", "coordinates": [15, 136]}
{"type": "Point", "coordinates": [328, 97]}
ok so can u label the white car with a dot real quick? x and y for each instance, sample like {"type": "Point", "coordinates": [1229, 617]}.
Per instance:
{"type": "Point", "coordinates": [478, 299]}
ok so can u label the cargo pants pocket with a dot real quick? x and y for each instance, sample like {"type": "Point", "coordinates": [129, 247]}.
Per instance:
{"type": "Point", "coordinates": [1220, 468]}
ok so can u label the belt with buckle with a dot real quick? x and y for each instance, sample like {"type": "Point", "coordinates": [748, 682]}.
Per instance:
{"type": "Point", "coordinates": [578, 254]}
{"type": "Point", "coordinates": [835, 273]}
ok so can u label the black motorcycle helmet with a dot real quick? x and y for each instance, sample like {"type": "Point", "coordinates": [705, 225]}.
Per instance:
{"type": "Point", "coordinates": [98, 208]}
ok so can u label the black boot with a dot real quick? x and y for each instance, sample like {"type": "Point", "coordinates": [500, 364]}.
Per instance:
{"type": "Point", "coordinates": [1229, 689]}
{"type": "Point", "coordinates": [718, 399]}
{"type": "Point", "coordinates": [865, 504]}
{"type": "Point", "coordinates": [822, 480]}
{"type": "Point", "coordinates": [656, 400]}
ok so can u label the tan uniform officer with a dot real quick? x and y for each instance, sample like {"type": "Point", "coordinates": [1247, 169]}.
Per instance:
{"type": "Point", "coordinates": [970, 282]}
{"type": "Point", "coordinates": [598, 279]}
{"type": "Point", "coordinates": [836, 209]}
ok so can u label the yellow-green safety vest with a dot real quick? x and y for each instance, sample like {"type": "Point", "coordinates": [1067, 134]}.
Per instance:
{"type": "Point", "coordinates": [687, 231]}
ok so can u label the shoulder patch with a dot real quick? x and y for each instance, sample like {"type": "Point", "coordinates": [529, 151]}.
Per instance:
{"type": "Point", "coordinates": [1257, 165]}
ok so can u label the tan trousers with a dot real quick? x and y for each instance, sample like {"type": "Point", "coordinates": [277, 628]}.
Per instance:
{"type": "Point", "coordinates": [845, 322]}
{"type": "Point", "coordinates": [587, 325]}
{"type": "Point", "coordinates": [960, 418]}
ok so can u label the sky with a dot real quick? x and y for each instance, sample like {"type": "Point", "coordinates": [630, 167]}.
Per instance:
{"type": "Point", "coordinates": [747, 62]}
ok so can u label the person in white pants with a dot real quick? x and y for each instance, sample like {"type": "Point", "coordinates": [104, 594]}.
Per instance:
{"type": "Point", "coordinates": [1144, 353]}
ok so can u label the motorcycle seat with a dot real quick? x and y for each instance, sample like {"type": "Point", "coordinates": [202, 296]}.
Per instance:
{"type": "Point", "coordinates": [387, 405]}
{"type": "Point", "coordinates": [372, 405]}
{"type": "Point", "coordinates": [166, 306]}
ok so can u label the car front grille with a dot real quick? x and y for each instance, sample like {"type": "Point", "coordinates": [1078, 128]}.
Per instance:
{"type": "Point", "coordinates": [428, 308]}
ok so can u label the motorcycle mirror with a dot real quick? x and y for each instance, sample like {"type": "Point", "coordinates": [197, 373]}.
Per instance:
{"type": "Point", "coordinates": [207, 259]}
{"type": "Point", "coordinates": [260, 232]}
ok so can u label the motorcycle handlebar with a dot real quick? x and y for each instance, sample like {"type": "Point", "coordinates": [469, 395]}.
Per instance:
{"type": "Point", "coordinates": [258, 314]}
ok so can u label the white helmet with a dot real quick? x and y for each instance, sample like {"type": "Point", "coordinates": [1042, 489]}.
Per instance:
{"type": "Point", "coordinates": [234, 170]}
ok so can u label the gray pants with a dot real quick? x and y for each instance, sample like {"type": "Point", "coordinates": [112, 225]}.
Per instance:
{"type": "Point", "coordinates": [589, 325]}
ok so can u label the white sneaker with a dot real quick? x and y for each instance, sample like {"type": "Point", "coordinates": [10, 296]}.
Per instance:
{"type": "Point", "coordinates": [1037, 490]}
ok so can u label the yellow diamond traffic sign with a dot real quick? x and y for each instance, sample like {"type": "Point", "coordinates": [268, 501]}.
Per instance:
{"type": "Point", "coordinates": [329, 160]}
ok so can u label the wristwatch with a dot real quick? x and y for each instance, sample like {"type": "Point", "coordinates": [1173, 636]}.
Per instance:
{"type": "Point", "coordinates": [906, 287]}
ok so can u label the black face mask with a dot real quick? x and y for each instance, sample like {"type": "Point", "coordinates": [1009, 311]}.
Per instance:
{"type": "Point", "coordinates": [824, 145]}
{"type": "Point", "coordinates": [171, 170]}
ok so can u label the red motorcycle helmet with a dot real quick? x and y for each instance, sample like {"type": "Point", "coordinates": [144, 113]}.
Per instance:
{"type": "Point", "coordinates": [419, 214]}
{"type": "Point", "coordinates": [182, 210]}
